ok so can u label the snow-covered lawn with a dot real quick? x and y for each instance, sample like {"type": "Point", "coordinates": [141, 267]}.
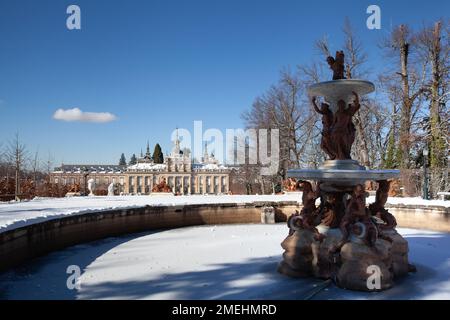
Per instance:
{"type": "Point", "coordinates": [14, 215]}
{"type": "Point", "coordinates": [209, 262]}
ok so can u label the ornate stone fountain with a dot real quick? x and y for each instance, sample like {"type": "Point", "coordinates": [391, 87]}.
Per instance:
{"type": "Point", "coordinates": [341, 238]}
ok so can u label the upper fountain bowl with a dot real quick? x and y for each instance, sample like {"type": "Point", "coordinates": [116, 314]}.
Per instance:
{"type": "Point", "coordinates": [342, 89]}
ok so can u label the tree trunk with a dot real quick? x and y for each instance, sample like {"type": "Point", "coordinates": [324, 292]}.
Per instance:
{"type": "Point", "coordinates": [437, 142]}
{"type": "Point", "coordinates": [405, 121]}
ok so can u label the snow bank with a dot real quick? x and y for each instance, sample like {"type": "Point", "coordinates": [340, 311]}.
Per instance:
{"type": "Point", "coordinates": [18, 214]}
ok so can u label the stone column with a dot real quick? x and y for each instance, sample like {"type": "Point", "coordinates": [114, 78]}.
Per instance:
{"type": "Point", "coordinates": [190, 184]}
{"type": "Point", "coordinates": [197, 190]}
{"type": "Point", "coordinates": [182, 184]}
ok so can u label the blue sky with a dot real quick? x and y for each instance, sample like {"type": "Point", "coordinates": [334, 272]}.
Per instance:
{"type": "Point", "coordinates": [161, 64]}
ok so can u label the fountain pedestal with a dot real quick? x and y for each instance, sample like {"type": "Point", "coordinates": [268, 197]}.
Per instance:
{"type": "Point", "coordinates": [342, 238]}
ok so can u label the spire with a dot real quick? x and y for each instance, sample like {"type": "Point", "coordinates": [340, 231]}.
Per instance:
{"type": "Point", "coordinates": [205, 153]}
{"type": "Point", "coordinates": [147, 153]}
{"type": "Point", "coordinates": [177, 141]}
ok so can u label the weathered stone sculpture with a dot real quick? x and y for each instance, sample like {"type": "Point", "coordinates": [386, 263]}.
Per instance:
{"type": "Point", "coordinates": [343, 130]}
{"type": "Point", "coordinates": [327, 124]}
{"type": "Point", "coordinates": [91, 187]}
{"type": "Point", "coordinates": [377, 208]}
{"type": "Point", "coordinates": [342, 238]}
{"type": "Point", "coordinates": [337, 64]}
{"type": "Point", "coordinates": [111, 189]}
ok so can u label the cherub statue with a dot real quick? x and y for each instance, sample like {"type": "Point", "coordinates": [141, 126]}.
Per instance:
{"type": "Point", "coordinates": [337, 65]}
{"type": "Point", "coordinates": [327, 124]}
{"type": "Point", "coordinates": [377, 208]}
{"type": "Point", "coordinates": [357, 220]}
{"type": "Point", "coordinates": [343, 131]}
{"type": "Point", "coordinates": [307, 217]}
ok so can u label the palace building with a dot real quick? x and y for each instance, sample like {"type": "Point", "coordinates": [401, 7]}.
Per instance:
{"type": "Point", "coordinates": [179, 171]}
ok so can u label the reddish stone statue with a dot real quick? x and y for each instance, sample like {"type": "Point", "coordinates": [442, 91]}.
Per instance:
{"type": "Point", "coordinates": [357, 220]}
{"type": "Point", "coordinates": [161, 187]}
{"type": "Point", "coordinates": [308, 215]}
{"type": "Point", "coordinates": [331, 212]}
{"type": "Point", "coordinates": [337, 64]}
{"type": "Point", "coordinates": [377, 208]}
{"type": "Point", "coordinates": [327, 123]}
{"type": "Point", "coordinates": [343, 131]}
{"type": "Point", "coordinates": [291, 184]}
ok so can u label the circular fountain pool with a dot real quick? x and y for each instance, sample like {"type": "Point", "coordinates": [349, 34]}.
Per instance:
{"type": "Point", "coordinates": [209, 262]}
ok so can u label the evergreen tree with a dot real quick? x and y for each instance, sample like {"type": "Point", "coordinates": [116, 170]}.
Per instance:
{"type": "Point", "coordinates": [158, 156]}
{"type": "Point", "coordinates": [133, 160]}
{"type": "Point", "coordinates": [122, 161]}
{"type": "Point", "coordinates": [390, 161]}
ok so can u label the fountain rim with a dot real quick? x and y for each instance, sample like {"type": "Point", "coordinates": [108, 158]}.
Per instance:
{"type": "Point", "coordinates": [344, 175]}
{"type": "Point", "coordinates": [326, 88]}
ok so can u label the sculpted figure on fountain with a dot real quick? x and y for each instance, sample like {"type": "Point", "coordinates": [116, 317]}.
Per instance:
{"type": "Point", "coordinates": [377, 208]}
{"type": "Point", "coordinates": [338, 131]}
{"type": "Point", "coordinates": [337, 64]}
{"type": "Point", "coordinates": [327, 124]}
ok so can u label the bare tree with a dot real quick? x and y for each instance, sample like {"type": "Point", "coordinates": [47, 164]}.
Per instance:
{"type": "Point", "coordinates": [35, 166]}
{"type": "Point", "coordinates": [399, 44]}
{"type": "Point", "coordinates": [17, 155]}
{"type": "Point", "coordinates": [435, 50]}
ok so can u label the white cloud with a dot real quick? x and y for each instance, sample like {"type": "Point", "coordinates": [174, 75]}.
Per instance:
{"type": "Point", "coordinates": [76, 114]}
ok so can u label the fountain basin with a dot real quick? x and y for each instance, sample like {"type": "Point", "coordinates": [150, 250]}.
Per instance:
{"type": "Point", "coordinates": [343, 89]}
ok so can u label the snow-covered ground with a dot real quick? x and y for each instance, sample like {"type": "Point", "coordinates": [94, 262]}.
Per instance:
{"type": "Point", "coordinates": [209, 262]}
{"type": "Point", "coordinates": [14, 215]}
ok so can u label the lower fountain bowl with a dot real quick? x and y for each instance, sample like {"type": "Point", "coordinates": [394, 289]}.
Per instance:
{"type": "Point", "coordinates": [337, 180]}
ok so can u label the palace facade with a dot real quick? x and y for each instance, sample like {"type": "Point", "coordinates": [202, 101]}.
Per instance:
{"type": "Point", "coordinates": [181, 174]}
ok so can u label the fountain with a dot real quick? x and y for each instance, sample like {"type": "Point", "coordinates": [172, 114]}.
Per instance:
{"type": "Point", "coordinates": [342, 239]}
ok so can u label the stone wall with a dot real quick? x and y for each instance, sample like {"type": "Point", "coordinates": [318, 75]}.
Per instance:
{"type": "Point", "coordinates": [422, 217]}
